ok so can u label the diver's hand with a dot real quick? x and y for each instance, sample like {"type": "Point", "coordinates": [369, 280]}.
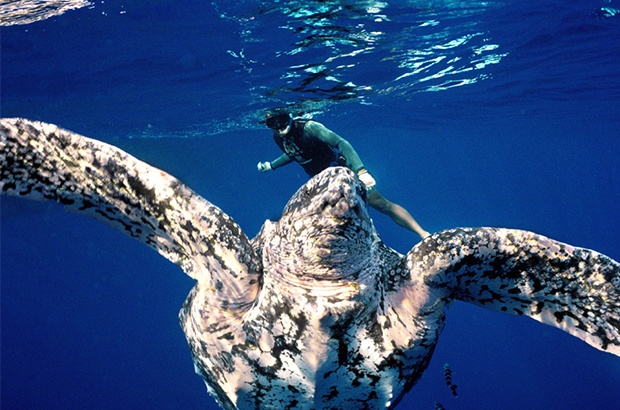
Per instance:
{"type": "Point", "coordinates": [366, 179]}
{"type": "Point", "coordinates": [264, 166]}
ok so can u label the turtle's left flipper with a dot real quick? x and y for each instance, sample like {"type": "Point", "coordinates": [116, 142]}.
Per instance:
{"type": "Point", "coordinates": [521, 273]}
{"type": "Point", "coordinates": [42, 161]}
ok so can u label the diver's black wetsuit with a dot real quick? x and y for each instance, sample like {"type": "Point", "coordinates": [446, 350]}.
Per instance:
{"type": "Point", "coordinates": [316, 152]}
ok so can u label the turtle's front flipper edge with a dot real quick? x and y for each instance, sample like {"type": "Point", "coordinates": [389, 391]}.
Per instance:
{"type": "Point", "coordinates": [44, 162]}
{"type": "Point", "coordinates": [522, 273]}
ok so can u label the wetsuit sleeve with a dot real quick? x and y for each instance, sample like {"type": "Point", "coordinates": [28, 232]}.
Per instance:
{"type": "Point", "coordinates": [281, 161]}
{"type": "Point", "coordinates": [317, 130]}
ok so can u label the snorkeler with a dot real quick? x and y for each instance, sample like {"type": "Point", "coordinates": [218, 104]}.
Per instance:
{"type": "Point", "coordinates": [315, 148]}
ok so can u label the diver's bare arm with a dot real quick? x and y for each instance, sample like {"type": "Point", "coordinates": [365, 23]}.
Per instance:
{"type": "Point", "coordinates": [281, 161]}
{"type": "Point", "coordinates": [319, 131]}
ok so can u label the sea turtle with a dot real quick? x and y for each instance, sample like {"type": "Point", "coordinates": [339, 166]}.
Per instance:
{"type": "Point", "coordinates": [315, 311]}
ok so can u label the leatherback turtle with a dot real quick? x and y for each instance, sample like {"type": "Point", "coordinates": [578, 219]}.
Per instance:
{"type": "Point", "coordinates": [315, 311]}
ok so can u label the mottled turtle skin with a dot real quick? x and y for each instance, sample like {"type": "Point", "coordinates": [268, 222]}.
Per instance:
{"type": "Point", "coordinates": [315, 312]}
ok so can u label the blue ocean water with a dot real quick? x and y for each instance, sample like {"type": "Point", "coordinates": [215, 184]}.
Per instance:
{"type": "Point", "coordinates": [467, 113]}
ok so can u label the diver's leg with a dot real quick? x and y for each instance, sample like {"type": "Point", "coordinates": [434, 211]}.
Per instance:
{"type": "Point", "coordinates": [396, 212]}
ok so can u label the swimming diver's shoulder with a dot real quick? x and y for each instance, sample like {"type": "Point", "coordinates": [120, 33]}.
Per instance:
{"type": "Point", "coordinates": [315, 128]}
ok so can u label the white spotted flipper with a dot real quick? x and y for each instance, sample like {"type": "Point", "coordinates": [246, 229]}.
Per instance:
{"type": "Point", "coordinates": [522, 273]}
{"type": "Point", "coordinates": [42, 161]}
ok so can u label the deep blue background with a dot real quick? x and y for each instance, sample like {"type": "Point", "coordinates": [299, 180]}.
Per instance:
{"type": "Point", "coordinates": [89, 317]}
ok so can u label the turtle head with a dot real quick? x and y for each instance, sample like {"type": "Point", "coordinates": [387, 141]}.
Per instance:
{"type": "Point", "coordinates": [325, 231]}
